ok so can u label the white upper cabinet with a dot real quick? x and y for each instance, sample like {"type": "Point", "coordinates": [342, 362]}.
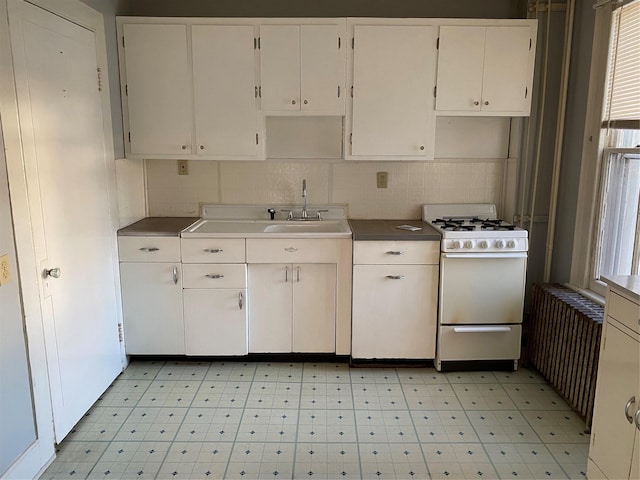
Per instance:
{"type": "Point", "coordinates": [302, 68]}
{"type": "Point", "coordinates": [486, 70]}
{"type": "Point", "coordinates": [157, 89]}
{"type": "Point", "coordinates": [393, 79]}
{"type": "Point", "coordinates": [227, 120]}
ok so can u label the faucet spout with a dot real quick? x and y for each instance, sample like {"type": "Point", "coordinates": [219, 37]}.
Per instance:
{"type": "Point", "coordinates": [304, 199]}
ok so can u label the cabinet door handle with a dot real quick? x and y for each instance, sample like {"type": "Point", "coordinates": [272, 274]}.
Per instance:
{"type": "Point", "coordinates": [175, 275]}
{"type": "Point", "coordinates": [395, 252]}
{"type": "Point", "coordinates": [476, 103]}
{"type": "Point", "coordinates": [396, 277]}
{"type": "Point", "coordinates": [291, 249]}
{"type": "Point", "coordinates": [149, 249]}
{"type": "Point", "coordinates": [213, 250]}
{"type": "Point", "coordinates": [298, 274]}
{"type": "Point", "coordinates": [240, 300]}
{"type": "Point", "coordinates": [630, 402]}
{"type": "Point", "coordinates": [486, 102]}
{"type": "Point", "coordinates": [286, 274]}
{"type": "Point", "coordinates": [214, 275]}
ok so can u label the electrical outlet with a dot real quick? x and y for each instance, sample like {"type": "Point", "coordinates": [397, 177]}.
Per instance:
{"type": "Point", "coordinates": [382, 179]}
{"type": "Point", "coordinates": [183, 167]}
{"type": "Point", "coordinates": [5, 273]}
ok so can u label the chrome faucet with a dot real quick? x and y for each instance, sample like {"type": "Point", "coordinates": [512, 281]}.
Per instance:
{"type": "Point", "coordinates": [305, 215]}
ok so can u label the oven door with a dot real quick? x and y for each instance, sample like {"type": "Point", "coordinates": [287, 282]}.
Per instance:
{"type": "Point", "coordinates": [482, 288]}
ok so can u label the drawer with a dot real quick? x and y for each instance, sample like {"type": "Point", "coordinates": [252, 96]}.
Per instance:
{"type": "Point", "coordinates": [479, 342]}
{"type": "Point", "coordinates": [286, 250]}
{"type": "Point", "coordinates": [212, 250]}
{"type": "Point", "coordinates": [624, 311]}
{"type": "Point", "coordinates": [149, 249]}
{"type": "Point", "coordinates": [203, 275]}
{"type": "Point", "coordinates": [396, 253]}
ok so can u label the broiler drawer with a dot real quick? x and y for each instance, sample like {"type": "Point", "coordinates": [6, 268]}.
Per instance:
{"type": "Point", "coordinates": [479, 342]}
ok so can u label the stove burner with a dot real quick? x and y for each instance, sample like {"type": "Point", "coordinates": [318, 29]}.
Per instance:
{"type": "Point", "coordinates": [497, 225]}
{"type": "Point", "coordinates": [447, 220]}
{"type": "Point", "coordinates": [457, 227]}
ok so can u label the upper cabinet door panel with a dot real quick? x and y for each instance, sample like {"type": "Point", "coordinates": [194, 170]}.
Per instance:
{"type": "Point", "coordinates": [393, 79]}
{"type": "Point", "coordinates": [158, 93]}
{"type": "Point", "coordinates": [322, 68]}
{"type": "Point", "coordinates": [506, 69]}
{"type": "Point", "coordinates": [224, 79]}
{"type": "Point", "coordinates": [280, 67]}
{"type": "Point", "coordinates": [460, 67]}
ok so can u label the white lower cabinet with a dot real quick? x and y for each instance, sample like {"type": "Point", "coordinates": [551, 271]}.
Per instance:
{"type": "Point", "coordinates": [152, 308]}
{"type": "Point", "coordinates": [292, 308]}
{"type": "Point", "coordinates": [395, 295]}
{"type": "Point", "coordinates": [614, 452]}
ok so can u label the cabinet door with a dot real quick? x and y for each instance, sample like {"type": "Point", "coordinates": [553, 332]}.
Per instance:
{"type": "Point", "coordinates": [322, 69]}
{"type": "Point", "coordinates": [314, 308]}
{"type": "Point", "coordinates": [215, 321]}
{"type": "Point", "coordinates": [280, 67]}
{"type": "Point", "coordinates": [393, 80]}
{"type": "Point", "coordinates": [158, 89]}
{"type": "Point", "coordinates": [270, 307]}
{"type": "Point", "coordinates": [618, 381]}
{"type": "Point", "coordinates": [224, 80]}
{"type": "Point", "coordinates": [505, 85]}
{"type": "Point", "coordinates": [460, 68]}
{"type": "Point", "coordinates": [152, 308]}
{"type": "Point", "coordinates": [394, 311]}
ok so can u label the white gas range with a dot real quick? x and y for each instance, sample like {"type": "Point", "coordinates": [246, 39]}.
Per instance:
{"type": "Point", "coordinates": [482, 281]}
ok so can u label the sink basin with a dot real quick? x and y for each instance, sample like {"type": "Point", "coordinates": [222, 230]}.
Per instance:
{"type": "Point", "coordinates": [268, 229]}
{"type": "Point", "coordinates": [306, 227]}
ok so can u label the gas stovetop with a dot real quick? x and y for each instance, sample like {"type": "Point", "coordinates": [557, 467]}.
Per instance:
{"type": "Point", "coordinates": [470, 228]}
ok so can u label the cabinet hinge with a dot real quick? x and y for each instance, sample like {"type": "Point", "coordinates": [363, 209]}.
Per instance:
{"type": "Point", "coordinates": [120, 333]}
{"type": "Point", "coordinates": [353, 42]}
{"type": "Point", "coordinates": [123, 41]}
{"type": "Point", "coordinates": [438, 44]}
{"type": "Point", "coordinates": [257, 139]}
{"type": "Point", "coordinates": [99, 79]}
{"type": "Point", "coordinates": [435, 91]}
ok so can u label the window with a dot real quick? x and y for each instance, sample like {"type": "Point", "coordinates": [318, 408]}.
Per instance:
{"type": "Point", "coordinates": [617, 237]}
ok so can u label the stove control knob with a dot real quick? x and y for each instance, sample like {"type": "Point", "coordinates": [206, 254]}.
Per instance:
{"type": "Point", "coordinates": [483, 244]}
{"type": "Point", "coordinates": [468, 244]}
{"type": "Point", "coordinates": [456, 244]}
{"type": "Point", "coordinates": [499, 243]}
{"type": "Point", "coordinates": [511, 244]}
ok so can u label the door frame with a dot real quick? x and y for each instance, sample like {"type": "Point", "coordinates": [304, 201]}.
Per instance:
{"type": "Point", "coordinates": [27, 216]}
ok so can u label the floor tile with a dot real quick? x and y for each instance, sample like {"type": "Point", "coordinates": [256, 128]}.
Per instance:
{"type": "Point", "coordinates": [123, 393]}
{"type": "Point", "coordinates": [210, 425]}
{"type": "Point", "coordinates": [193, 460]}
{"type": "Point", "coordinates": [465, 460]}
{"type": "Point", "coordinates": [421, 376]}
{"type": "Point", "coordinates": [326, 426]}
{"type": "Point", "coordinates": [392, 461]}
{"type": "Point", "coordinates": [443, 426]}
{"type": "Point", "coordinates": [75, 459]}
{"type": "Point", "coordinates": [557, 426]}
{"type": "Point", "coordinates": [483, 396]}
{"type": "Point", "coordinates": [327, 460]}
{"type": "Point", "coordinates": [268, 425]}
{"type": "Point", "coordinates": [502, 426]}
{"type": "Point", "coordinates": [99, 424]}
{"type": "Point", "coordinates": [152, 424]}
{"type": "Point", "coordinates": [274, 395]}
{"type": "Point", "coordinates": [374, 375]}
{"type": "Point", "coordinates": [170, 393]}
{"type": "Point", "coordinates": [431, 397]}
{"type": "Point", "coordinates": [279, 372]}
{"type": "Point", "coordinates": [142, 370]}
{"type": "Point", "coordinates": [183, 371]}
{"type": "Point", "coordinates": [261, 460]}
{"type": "Point", "coordinates": [471, 377]}
{"type": "Point", "coordinates": [385, 426]}
{"type": "Point", "coordinates": [535, 397]}
{"type": "Point", "coordinates": [378, 396]}
{"type": "Point", "coordinates": [231, 371]}
{"type": "Point", "coordinates": [221, 394]}
{"type": "Point", "coordinates": [128, 460]}
{"type": "Point", "coordinates": [522, 375]}
{"type": "Point", "coordinates": [326, 395]}
{"type": "Point", "coordinates": [326, 372]}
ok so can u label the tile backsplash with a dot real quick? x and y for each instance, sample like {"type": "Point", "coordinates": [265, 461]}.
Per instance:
{"type": "Point", "coordinates": [343, 182]}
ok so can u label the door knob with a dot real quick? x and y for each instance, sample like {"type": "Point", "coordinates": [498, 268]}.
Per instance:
{"type": "Point", "coordinates": [52, 272]}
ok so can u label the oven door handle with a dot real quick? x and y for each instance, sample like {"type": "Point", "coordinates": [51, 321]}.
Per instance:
{"type": "Point", "coordinates": [480, 329]}
{"type": "Point", "coordinates": [486, 255]}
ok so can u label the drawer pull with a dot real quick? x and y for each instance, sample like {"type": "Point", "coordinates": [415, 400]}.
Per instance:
{"type": "Point", "coordinates": [286, 274]}
{"type": "Point", "coordinates": [395, 252]}
{"type": "Point", "coordinates": [213, 250]}
{"type": "Point", "coordinates": [638, 419]}
{"type": "Point", "coordinates": [481, 329]}
{"type": "Point", "coordinates": [291, 249]}
{"type": "Point", "coordinates": [149, 249]}
{"type": "Point", "coordinates": [240, 300]}
{"type": "Point", "coordinates": [630, 402]}
{"type": "Point", "coordinates": [175, 275]}
{"type": "Point", "coordinates": [298, 274]}
{"type": "Point", "coordinates": [396, 277]}
{"type": "Point", "coordinates": [214, 275]}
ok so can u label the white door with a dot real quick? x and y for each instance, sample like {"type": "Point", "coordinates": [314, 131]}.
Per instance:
{"type": "Point", "coordinates": [506, 69]}
{"type": "Point", "coordinates": [215, 321]}
{"type": "Point", "coordinates": [322, 69]}
{"type": "Point", "coordinates": [270, 308]}
{"type": "Point", "coordinates": [280, 67]}
{"type": "Point", "coordinates": [67, 169]}
{"type": "Point", "coordinates": [158, 88]}
{"type": "Point", "coordinates": [460, 67]}
{"type": "Point", "coordinates": [314, 308]}
{"type": "Point", "coordinates": [393, 80]}
{"type": "Point", "coordinates": [152, 308]}
{"type": "Point", "coordinates": [224, 76]}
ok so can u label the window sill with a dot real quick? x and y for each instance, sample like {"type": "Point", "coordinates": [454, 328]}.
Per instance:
{"type": "Point", "coordinates": [591, 295]}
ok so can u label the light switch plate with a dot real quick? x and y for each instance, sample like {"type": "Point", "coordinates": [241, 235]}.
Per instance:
{"type": "Point", "coordinates": [382, 179]}
{"type": "Point", "coordinates": [5, 272]}
{"type": "Point", "coordinates": [183, 167]}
